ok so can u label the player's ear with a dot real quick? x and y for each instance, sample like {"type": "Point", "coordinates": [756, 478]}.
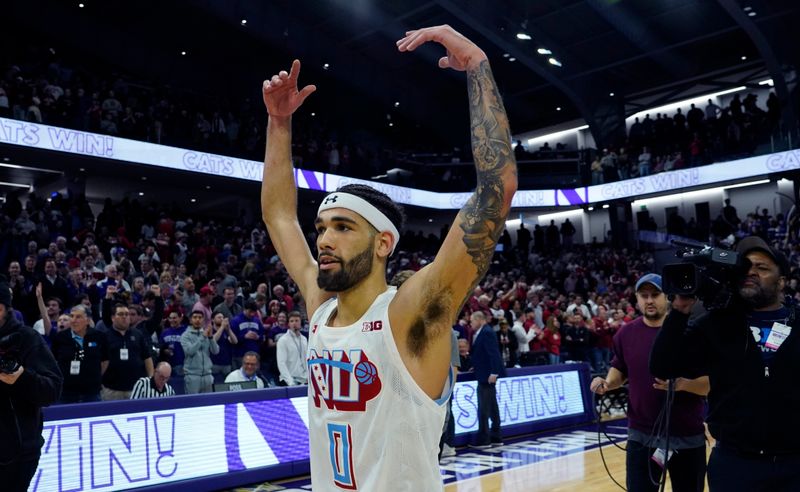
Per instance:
{"type": "Point", "coordinates": [384, 242]}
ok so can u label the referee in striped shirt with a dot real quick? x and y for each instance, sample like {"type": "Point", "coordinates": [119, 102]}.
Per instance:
{"type": "Point", "coordinates": [156, 386]}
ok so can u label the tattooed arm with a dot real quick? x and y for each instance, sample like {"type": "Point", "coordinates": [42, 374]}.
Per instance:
{"type": "Point", "coordinates": [428, 303]}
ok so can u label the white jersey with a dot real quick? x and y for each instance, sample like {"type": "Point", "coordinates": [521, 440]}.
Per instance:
{"type": "Point", "coordinates": [371, 427]}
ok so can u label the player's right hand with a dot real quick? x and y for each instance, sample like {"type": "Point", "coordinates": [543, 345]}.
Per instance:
{"type": "Point", "coordinates": [599, 386]}
{"type": "Point", "coordinates": [281, 96]}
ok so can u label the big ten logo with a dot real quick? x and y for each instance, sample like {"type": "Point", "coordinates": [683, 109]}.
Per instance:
{"type": "Point", "coordinates": [208, 163]}
{"type": "Point", "coordinates": [345, 381]}
{"type": "Point", "coordinates": [108, 452]}
{"type": "Point", "coordinates": [784, 161]}
{"type": "Point", "coordinates": [372, 326]}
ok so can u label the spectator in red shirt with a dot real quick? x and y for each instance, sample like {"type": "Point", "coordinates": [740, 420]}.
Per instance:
{"type": "Point", "coordinates": [551, 339]}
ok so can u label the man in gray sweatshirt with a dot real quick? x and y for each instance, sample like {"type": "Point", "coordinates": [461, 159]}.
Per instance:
{"type": "Point", "coordinates": [198, 344]}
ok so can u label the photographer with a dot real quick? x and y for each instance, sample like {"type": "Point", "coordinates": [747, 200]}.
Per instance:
{"type": "Point", "coordinates": [751, 352]}
{"type": "Point", "coordinates": [29, 380]}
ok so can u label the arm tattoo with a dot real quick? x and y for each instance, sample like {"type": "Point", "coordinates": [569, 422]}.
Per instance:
{"type": "Point", "coordinates": [483, 216]}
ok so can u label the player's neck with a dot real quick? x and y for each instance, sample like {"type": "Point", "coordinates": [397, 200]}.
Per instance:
{"type": "Point", "coordinates": [353, 303]}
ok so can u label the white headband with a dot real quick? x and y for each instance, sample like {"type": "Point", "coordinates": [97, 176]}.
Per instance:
{"type": "Point", "coordinates": [363, 208]}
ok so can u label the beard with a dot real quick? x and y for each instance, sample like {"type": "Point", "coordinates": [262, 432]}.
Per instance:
{"type": "Point", "coordinates": [349, 274]}
{"type": "Point", "coordinates": [654, 316]}
{"type": "Point", "coordinates": [759, 296]}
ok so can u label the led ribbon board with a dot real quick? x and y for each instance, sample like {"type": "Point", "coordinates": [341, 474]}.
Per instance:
{"type": "Point", "coordinates": [122, 149]}
{"type": "Point", "coordinates": [220, 437]}
{"type": "Point", "coordinates": [522, 399]}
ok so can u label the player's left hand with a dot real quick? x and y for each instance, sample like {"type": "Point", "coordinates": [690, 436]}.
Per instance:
{"type": "Point", "coordinates": [462, 54]}
{"type": "Point", "coordinates": [11, 378]}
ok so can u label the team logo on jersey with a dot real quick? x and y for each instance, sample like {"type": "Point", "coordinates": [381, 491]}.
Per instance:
{"type": "Point", "coordinates": [345, 381]}
{"type": "Point", "coordinates": [372, 326]}
{"type": "Point", "coordinates": [314, 330]}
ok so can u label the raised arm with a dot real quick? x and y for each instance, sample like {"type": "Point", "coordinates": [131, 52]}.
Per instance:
{"type": "Point", "coordinates": [443, 286]}
{"type": "Point", "coordinates": [278, 188]}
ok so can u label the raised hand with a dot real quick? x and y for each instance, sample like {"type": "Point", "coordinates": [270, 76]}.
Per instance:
{"type": "Point", "coordinates": [39, 290]}
{"type": "Point", "coordinates": [281, 96]}
{"type": "Point", "coordinates": [462, 54]}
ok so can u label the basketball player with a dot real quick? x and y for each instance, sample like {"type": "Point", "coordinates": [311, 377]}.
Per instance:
{"type": "Point", "coordinates": [379, 369]}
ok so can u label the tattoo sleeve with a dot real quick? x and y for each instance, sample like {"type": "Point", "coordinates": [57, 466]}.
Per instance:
{"type": "Point", "coordinates": [483, 216]}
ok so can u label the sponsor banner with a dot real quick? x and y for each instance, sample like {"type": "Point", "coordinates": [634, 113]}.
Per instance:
{"type": "Point", "coordinates": [122, 149]}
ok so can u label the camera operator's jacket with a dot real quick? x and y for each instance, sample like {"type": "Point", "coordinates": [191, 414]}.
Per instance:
{"type": "Point", "coordinates": [753, 407]}
{"type": "Point", "coordinates": [21, 404]}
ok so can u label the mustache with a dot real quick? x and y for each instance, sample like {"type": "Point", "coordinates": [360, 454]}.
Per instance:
{"type": "Point", "coordinates": [328, 255]}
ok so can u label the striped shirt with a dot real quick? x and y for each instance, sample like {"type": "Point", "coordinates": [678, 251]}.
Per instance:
{"type": "Point", "coordinates": [145, 388]}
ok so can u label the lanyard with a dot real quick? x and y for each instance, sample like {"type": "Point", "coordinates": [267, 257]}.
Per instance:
{"type": "Point", "coordinates": [298, 344]}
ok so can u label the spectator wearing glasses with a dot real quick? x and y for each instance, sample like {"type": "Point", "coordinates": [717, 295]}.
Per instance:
{"type": "Point", "coordinates": [128, 354]}
{"type": "Point", "coordinates": [82, 356]}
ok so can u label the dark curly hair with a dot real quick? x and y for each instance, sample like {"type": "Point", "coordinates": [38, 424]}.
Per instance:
{"type": "Point", "coordinates": [379, 200]}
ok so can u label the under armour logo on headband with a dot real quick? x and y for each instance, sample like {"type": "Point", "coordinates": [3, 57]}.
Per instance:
{"type": "Point", "coordinates": [365, 209]}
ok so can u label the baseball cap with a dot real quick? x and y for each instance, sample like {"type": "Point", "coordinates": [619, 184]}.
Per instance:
{"type": "Point", "coordinates": [206, 291]}
{"type": "Point", "coordinates": [755, 243]}
{"type": "Point", "coordinates": [653, 279]}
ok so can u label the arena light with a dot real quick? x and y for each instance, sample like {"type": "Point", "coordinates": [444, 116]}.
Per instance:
{"type": "Point", "coordinates": [27, 168]}
{"type": "Point", "coordinates": [244, 22]}
{"type": "Point", "coordinates": [561, 215]}
{"type": "Point", "coordinates": [16, 185]}
{"type": "Point", "coordinates": [681, 104]}
{"type": "Point", "coordinates": [556, 135]}
{"type": "Point", "coordinates": [750, 183]}
{"type": "Point", "coordinates": [544, 51]}
{"type": "Point", "coordinates": [606, 206]}
{"type": "Point", "coordinates": [523, 36]}
{"type": "Point", "coordinates": [553, 61]}
{"type": "Point", "coordinates": [512, 59]}
{"type": "Point", "coordinates": [696, 194]}
{"type": "Point", "coordinates": [768, 82]}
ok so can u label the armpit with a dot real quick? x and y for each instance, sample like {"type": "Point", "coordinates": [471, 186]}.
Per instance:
{"type": "Point", "coordinates": [435, 315]}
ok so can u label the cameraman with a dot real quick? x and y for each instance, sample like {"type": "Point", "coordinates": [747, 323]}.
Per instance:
{"type": "Point", "coordinates": [751, 352]}
{"type": "Point", "coordinates": [29, 380]}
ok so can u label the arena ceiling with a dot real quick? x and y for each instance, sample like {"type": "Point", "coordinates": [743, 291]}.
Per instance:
{"type": "Point", "coordinates": [624, 47]}
{"type": "Point", "coordinates": [644, 52]}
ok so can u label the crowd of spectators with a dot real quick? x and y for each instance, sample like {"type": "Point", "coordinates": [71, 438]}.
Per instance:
{"type": "Point", "coordinates": [45, 89]}
{"type": "Point", "coordinates": [679, 141]}
{"type": "Point", "coordinates": [138, 286]}
{"type": "Point", "coordinates": [62, 94]}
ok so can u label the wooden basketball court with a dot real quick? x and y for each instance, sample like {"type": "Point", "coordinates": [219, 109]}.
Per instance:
{"type": "Point", "coordinates": [560, 461]}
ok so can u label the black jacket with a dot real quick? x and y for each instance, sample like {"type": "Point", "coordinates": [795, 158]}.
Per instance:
{"type": "Point", "coordinates": [751, 405]}
{"type": "Point", "coordinates": [21, 404]}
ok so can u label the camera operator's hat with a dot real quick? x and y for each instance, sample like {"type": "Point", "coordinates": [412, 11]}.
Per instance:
{"type": "Point", "coordinates": [755, 243]}
{"type": "Point", "coordinates": [653, 279]}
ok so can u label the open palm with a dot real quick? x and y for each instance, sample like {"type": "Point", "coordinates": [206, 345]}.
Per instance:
{"type": "Point", "coordinates": [281, 96]}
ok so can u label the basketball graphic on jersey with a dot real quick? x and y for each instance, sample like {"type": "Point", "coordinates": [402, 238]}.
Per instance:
{"type": "Point", "coordinates": [366, 372]}
{"type": "Point", "coordinates": [344, 379]}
